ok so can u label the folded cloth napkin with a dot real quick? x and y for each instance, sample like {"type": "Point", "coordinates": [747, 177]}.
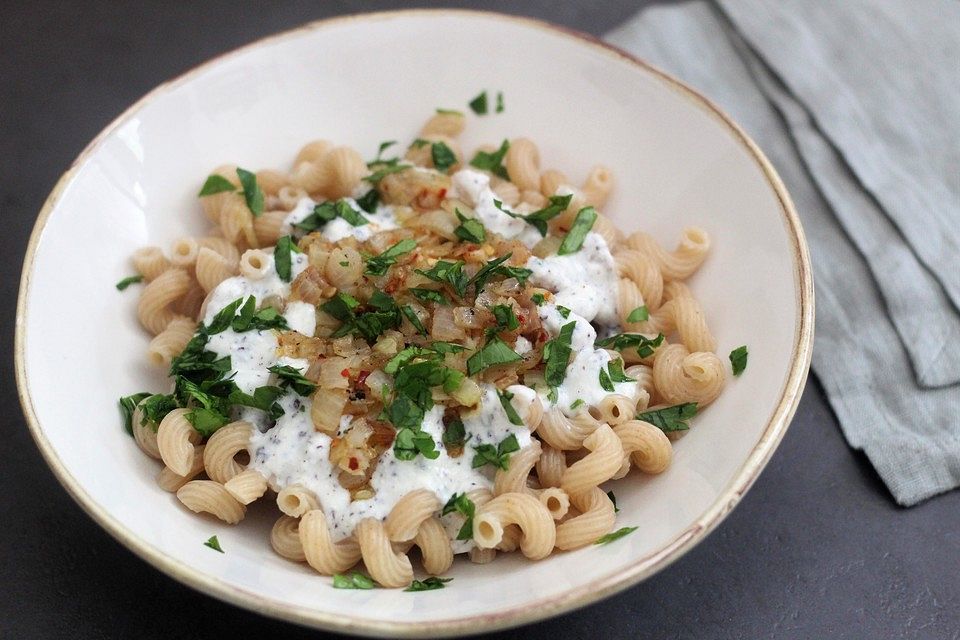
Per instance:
{"type": "Point", "coordinates": [857, 104]}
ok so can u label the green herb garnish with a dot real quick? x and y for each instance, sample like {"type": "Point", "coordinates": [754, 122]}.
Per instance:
{"type": "Point", "coordinates": [449, 273]}
{"type": "Point", "coordinates": [290, 377]}
{"type": "Point", "coordinates": [454, 434]}
{"type": "Point", "coordinates": [251, 191]}
{"type": "Point", "coordinates": [378, 265]}
{"type": "Point", "coordinates": [645, 346]}
{"type": "Point", "coordinates": [617, 373]}
{"type": "Point", "coordinates": [605, 381]}
{"type": "Point", "coordinates": [556, 355]}
{"type": "Point", "coordinates": [479, 104]}
{"type": "Point", "coordinates": [470, 229]}
{"type": "Point", "coordinates": [500, 107]}
{"type": "Point", "coordinates": [369, 201]}
{"type": "Point", "coordinates": [498, 456]}
{"type": "Point", "coordinates": [283, 257]}
{"type": "Point", "coordinates": [540, 218]}
{"type": "Point", "coordinates": [613, 499]}
{"type": "Point", "coordinates": [493, 353]}
{"type": "Point", "coordinates": [216, 184]}
{"type": "Point", "coordinates": [213, 543]}
{"type": "Point", "coordinates": [460, 503]}
{"type": "Point", "coordinates": [505, 401]}
{"type": "Point", "coordinates": [129, 280]}
{"type": "Point", "coordinates": [738, 360]}
{"type": "Point", "coordinates": [354, 580]}
{"type": "Point", "coordinates": [670, 418]}
{"type": "Point", "coordinates": [578, 232]}
{"type": "Point", "coordinates": [127, 406]}
{"type": "Point", "coordinates": [443, 156]}
{"type": "Point", "coordinates": [640, 314]}
{"type": "Point", "coordinates": [576, 404]}
{"type": "Point", "coordinates": [616, 535]}
{"type": "Point", "coordinates": [538, 299]}
{"type": "Point", "coordinates": [430, 584]}
{"type": "Point", "coordinates": [493, 161]}
{"type": "Point", "coordinates": [429, 295]}
{"type": "Point", "coordinates": [414, 319]}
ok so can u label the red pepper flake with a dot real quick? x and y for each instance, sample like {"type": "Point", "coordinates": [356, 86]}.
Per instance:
{"type": "Point", "coordinates": [362, 377]}
{"type": "Point", "coordinates": [443, 193]}
{"type": "Point", "coordinates": [345, 373]}
{"type": "Point", "coordinates": [353, 464]}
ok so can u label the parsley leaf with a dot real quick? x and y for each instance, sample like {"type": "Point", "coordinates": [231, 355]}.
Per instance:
{"type": "Point", "coordinates": [576, 404]}
{"type": "Point", "coordinates": [378, 265]}
{"type": "Point", "coordinates": [738, 360]}
{"type": "Point", "coordinates": [506, 319]}
{"type": "Point", "coordinates": [470, 229]}
{"type": "Point", "coordinates": [578, 232]}
{"type": "Point", "coordinates": [206, 421]}
{"type": "Point", "coordinates": [386, 169]}
{"type": "Point", "coordinates": [493, 353]}
{"type": "Point", "coordinates": [498, 456]}
{"type": "Point", "coordinates": [556, 355]}
{"type": "Point", "coordinates": [127, 406]}
{"type": "Point", "coordinates": [354, 580]}
{"type": "Point", "coordinates": [462, 504]}
{"type": "Point", "coordinates": [493, 161]}
{"type": "Point", "coordinates": [556, 205]}
{"type": "Point", "coordinates": [129, 280]}
{"type": "Point", "coordinates": [616, 372]}
{"type": "Point", "coordinates": [616, 535]}
{"type": "Point", "coordinates": [430, 584]}
{"type": "Point", "coordinates": [563, 311]}
{"type": "Point", "coordinates": [613, 499]}
{"type": "Point", "coordinates": [155, 408]}
{"type": "Point", "coordinates": [443, 156]}
{"type": "Point", "coordinates": [454, 435]}
{"type": "Point", "coordinates": [213, 543]}
{"type": "Point", "coordinates": [414, 319]}
{"type": "Point", "coordinates": [250, 319]}
{"type": "Point", "coordinates": [384, 146]}
{"type": "Point", "coordinates": [289, 377]}
{"type": "Point", "coordinates": [505, 402]}
{"type": "Point", "coordinates": [263, 398]}
{"type": "Point", "coordinates": [410, 441]}
{"type": "Point", "coordinates": [670, 418]}
{"type": "Point", "coordinates": [327, 212]}
{"type": "Point", "coordinates": [538, 299]}
{"type": "Point", "coordinates": [640, 314]}
{"type": "Point", "coordinates": [452, 112]}
{"type": "Point", "coordinates": [500, 107]}
{"type": "Point", "coordinates": [449, 273]}
{"type": "Point", "coordinates": [621, 341]}
{"type": "Point", "coordinates": [429, 295]}
{"type": "Point", "coordinates": [479, 104]}
{"type": "Point", "coordinates": [251, 191]}
{"type": "Point", "coordinates": [447, 347]}
{"type": "Point", "coordinates": [605, 381]}
{"type": "Point", "coordinates": [283, 257]}
{"type": "Point", "coordinates": [216, 184]}
{"type": "Point", "coordinates": [369, 201]}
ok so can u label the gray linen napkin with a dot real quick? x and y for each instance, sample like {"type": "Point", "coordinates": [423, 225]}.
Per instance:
{"type": "Point", "coordinates": [856, 104]}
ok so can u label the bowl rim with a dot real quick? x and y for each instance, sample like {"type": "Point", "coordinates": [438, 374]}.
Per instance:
{"type": "Point", "coordinates": [575, 598]}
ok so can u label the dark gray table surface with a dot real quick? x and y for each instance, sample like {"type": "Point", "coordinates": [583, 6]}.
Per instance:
{"type": "Point", "coordinates": [816, 549]}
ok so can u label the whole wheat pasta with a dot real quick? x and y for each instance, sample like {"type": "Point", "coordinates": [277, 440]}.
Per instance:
{"type": "Point", "coordinates": [481, 556]}
{"type": "Point", "coordinates": [235, 219]}
{"type": "Point", "coordinates": [506, 191]}
{"type": "Point", "coordinates": [191, 302]}
{"type": "Point", "coordinates": [513, 479]}
{"type": "Point", "coordinates": [183, 252]}
{"type": "Point", "coordinates": [255, 264]}
{"type": "Point", "coordinates": [409, 513]}
{"type": "Point", "coordinates": [271, 181]}
{"type": "Point", "coordinates": [550, 466]}
{"type": "Point", "coordinates": [153, 308]}
{"type": "Point", "coordinates": [222, 449]}
{"type": "Point", "coordinates": [285, 539]}
{"type": "Point", "coordinates": [212, 268]}
{"type": "Point", "coordinates": [603, 461]}
{"type": "Point", "coordinates": [295, 500]}
{"type": "Point", "coordinates": [683, 261]}
{"type": "Point", "coordinates": [644, 272]}
{"type": "Point", "coordinates": [646, 446]}
{"type": "Point", "coordinates": [171, 341]}
{"type": "Point", "coordinates": [434, 545]}
{"type": "Point", "coordinates": [681, 376]}
{"type": "Point", "coordinates": [598, 185]}
{"type": "Point", "coordinates": [289, 196]}
{"type": "Point", "coordinates": [246, 486]}
{"type": "Point", "coordinates": [319, 549]}
{"type": "Point", "coordinates": [150, 262]}
{"type": "Point", "coordinates": [312, 151]}
{"type": "Point", "coordinates": [447, 124]}
{"type": "Point", "coordinates": [564, 433]}
{"type": "Point", "coordinates": [207, 496]}
{"type": "Point", "coordinates": [523, 164]}
{"type": "Point", "coordinates": [555, 500]}
{"type": "Point", "coordinates": [176, 439]}
{"type": "Point", "coordinates": [387, 567]}
{"type": "Point", "coordinates": [171, 482]}
{"type": "Point", "coordinates": [145, 435]}
{"type": "Point", "coordinates": [596, 519]}
{"type": "Point", "coordinates": [550, 182]}
{"type": "Point", "coordinates": [222, 246]}
{"type": "Point", "coordinates": [615, 409]}
{"type": "Point", "coordinates": [523, 510]}
{"type": "Point", "coordinates": [270, 227]}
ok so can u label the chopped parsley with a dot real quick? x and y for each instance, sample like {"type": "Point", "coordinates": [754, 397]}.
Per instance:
{"type": "Point", "coordinates": [576, 404]}
{"type": "Point", "coordinates": [539, 219]}
{"type": "Point", "coordinates": [251, 191]}
{"type": "Point", "coordinates": [640, 314]}
{"type": "Point", "coordinates": [470, 229]}
{"type": "Point", "coordinates": [383, 147]}
{"type": "Point", "coordinates": [249, 319]}
{"type": "Point", "coordinates": [578, 232]}
{"type": "Point", "coordinates": [155, 408]}
{"type": "Point", "coordinates": [538, 299]}
{"type": "Point", "coordinates": [670, 418]}
{"type": "Point", "coordinates": [605, 381]}
{"type": "Point", "coordinates": [506, 319]}
{"type": "Point", "coordinates": [617, 374]}
{"type": "Point", "coordinates": [443, 156]}
{"type": "Point", "coordinates": [386, 168]}
{"type": "Point", "coordinates": [505, 401]}
{"type": "Point", "coordinates": [616, 535]}
{"type": "Point", "coordinates": [384, 314]}
{"type": "Point", "coordinates": [479, 104]}
{"type": "Point", "coordinates": [353, 580]}
{"type": "Point", "coordinates": [216, 184]}
{"type": "Point", "coordinates": [738, 360]}
{"type": "Point", "coordinates": [454, 435]}
{"type": "Point", "coordinates": [448, 273]}
{"type": "Point", "coordinates": [327, 212]}
{"type": "Point", "coordinates": [128, 405]}
{"type": "Point", "coordinates": [129, 280]}
{"type": "Point", "coordinates": [283, 257]}
{"type": "Point", "coordinates": [462, 504]}
{"type": "Point", "coordinates": [369, 201]}
{"type": "Point", "coordinates": [645, 346]}
{"type": "Point", "coordinates": [378, 265]}
{"type": "Point", "coordinates": [495, 352]}
{"type": "Point", "coordinates": [499, 108]}
{"type": "Point", "coordinates": [498, 456]}
{"type": "Point", "coordinates": [290, 377]}
{"type": "Point", "coordinates": [449, 112]}
{"type": "Point", "coordinates": [430, 584]}
{"type": "Point", "coordinates": [429, 295]}
{"type": "Point", "coordinates": [414, 319]}
{"type": "Point", "coordinates": [563, 311]}
{"type": "Point", "coordinates": [214, 544]}
{"type": "Point", "coordinates": [613, 499]}
{"type": "Point", "coordinates": [556, 354]}
{"type": "Point", "coordinates": [496, 268]}
{"type": "Point", "coordinates": [493, 161]}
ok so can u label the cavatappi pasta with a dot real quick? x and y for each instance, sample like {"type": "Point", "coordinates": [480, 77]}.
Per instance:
{"type": "Point", "coordinates": [418, 351]}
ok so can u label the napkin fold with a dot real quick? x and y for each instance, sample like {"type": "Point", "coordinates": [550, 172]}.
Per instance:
{"type": "Point", "coordinates": [857, 104]}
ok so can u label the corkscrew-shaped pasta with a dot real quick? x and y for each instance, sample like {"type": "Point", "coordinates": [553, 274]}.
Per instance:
{"type": "Point", "coordinates": [434, 545]}
{"type": "Point", "coordinates": [285, 539]}
{"type": "Point", "coordinates": [153, 308]}
{"type": "Point", "coordinates": [222, 246]}
{"type": "Point", "coordinates": [644, 272]}
{"type": "Point", "coordinates": [647, 446]}
{"type": "Point", "coordinates": [170, 342]}
{"type": "Point", "coordinates": [145, 435]}
{"type": "Point", "coordinates": [319, 549]}
{"type": "Point", "coordinates": [681, 376]}
{"type": "Point", "coordinates": [170, 481]}
{"type": "Point", "coordinates": [213, 268]}
{"type": "Point", "coordinates": [513, 479]}
{"type": "Point", "coordinates": [333, 174]}
{"type": "Point", "coordinates": [404, 520]}
{"type": "Point", "coordinates": [597, 517]}
{"type": "Point", "coordinates": [550, 466]}
{"type": "Point", "coordinates": [246, 486]}
{"type": "Point", "coordinates": [614, 409]}
{"type": "Point", "coordinates": [295, 500]}
{"type": "Point", "coordinates": [219, 458]}
{"type": "Point", "coordinates": [550, 182]}
{"type": "Point", "coordinates": [565, 433]}
{"type": "Point", "coordinates": [207, 496]}
{"type": "Point", "coordinates": [598, 186]}
{"type": "Point", "coordinates": [523, 164]}
{"type": "Point", "coordinates": [525, 511]}
{"type": "Point", "coordinates": [176, 439]}
{"type": "Point", "coordinates": [683, 261]}
{"type": "Point", "coordinates": [555, 500]}
{"type": "Point", "coordinates": [444, 124]}
{"type": "Point", "coordinates": [270, 227]}
{"type": "Point", "coordinates": [150, 262]}
{"type": "Point", "coordinates": [386, 566]}
{"type": "Point", "coordinates": [603, 461]}
{"type": "Point", "coordinates": [183, 252]}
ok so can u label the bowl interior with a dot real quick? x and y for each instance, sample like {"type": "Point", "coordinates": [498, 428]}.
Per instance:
{"type": "Point", "coordinates": [360, 81]}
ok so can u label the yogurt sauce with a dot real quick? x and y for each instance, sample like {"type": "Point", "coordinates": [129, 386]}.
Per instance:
{"type": "Point", "coordinates": [293, 452]}
{"type": "Point", "coordinates": [381, 220]}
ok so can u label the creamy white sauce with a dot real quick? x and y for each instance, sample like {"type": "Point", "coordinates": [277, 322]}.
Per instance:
{"type": "Point", "coordinates": [585, 280]}
{"type": "Point", "coordinates": [522, 346]}
{"type": "Point", "coordinates": [489, 424]}
{"type": "Point", "coordinates": [382, 219]}
{"type": "Point", "coordinates": [473, 188]}
{"type": "Point", "coordinates": [582, 379]}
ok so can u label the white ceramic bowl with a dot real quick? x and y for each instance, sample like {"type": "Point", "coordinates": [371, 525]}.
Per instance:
{"type": "Point", "coordinates": [359, 80]}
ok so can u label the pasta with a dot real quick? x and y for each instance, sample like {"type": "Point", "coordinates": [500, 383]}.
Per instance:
{"type": "Point", "coordinates": [430, 349]}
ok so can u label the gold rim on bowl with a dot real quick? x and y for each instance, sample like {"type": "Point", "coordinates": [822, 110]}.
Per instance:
{"type": "Point", "coordinates": [581, 596]}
